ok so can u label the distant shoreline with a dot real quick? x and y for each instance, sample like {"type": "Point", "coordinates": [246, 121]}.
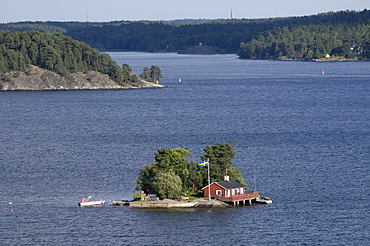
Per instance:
{"type": "Point", "coordinates": [336, 60]}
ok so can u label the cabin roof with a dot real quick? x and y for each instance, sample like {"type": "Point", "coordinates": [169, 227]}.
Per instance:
{"type": "Point", "coordinates": [227, 185]}
{"type": "Point", "coordinates": [232, 184]}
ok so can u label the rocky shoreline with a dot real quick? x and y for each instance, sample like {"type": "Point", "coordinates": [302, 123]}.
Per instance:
{"type": "Point", "coordinates": [38, 79]}
{"type": "Point", "coordinates": [168, 203]}
{"type": "Point", "coordinates": [334, 60]}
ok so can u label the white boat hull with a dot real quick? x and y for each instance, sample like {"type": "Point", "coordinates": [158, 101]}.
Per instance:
{"type": "Point", "coordinates": [91, 203]}
{"type": "Point", "coordinates": [263, 200]}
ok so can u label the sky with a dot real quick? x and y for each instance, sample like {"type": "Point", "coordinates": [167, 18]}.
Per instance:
{"type": "Point", "coordinates": [132, 10]}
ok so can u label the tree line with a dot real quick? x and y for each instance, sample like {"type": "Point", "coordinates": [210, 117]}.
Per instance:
{"type": "Point", "coordinates": [310, 42]}
{"type": "Point", "coordinates": [171, 174]}
{"type": "Point", "coordinates": [309, 36]}
{"type": "Point", "coordinates": [333, 33]}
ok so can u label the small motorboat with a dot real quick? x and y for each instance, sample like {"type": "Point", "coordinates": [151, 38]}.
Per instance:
{"type": "Point", "coordinates": [87, 202]}
{"type": "Point", "coordinates": [265, 200]}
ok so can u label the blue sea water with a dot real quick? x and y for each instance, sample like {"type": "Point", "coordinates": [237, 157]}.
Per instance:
{"type": "Point", "coordinates": [306, 134]}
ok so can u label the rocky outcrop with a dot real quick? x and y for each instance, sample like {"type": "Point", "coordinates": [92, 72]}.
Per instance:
{"type": "Point", "coordinates": [38, 79]}
{"type": "Point", "coordinates": [201, 203]}
{"type": "Point", "coordinates": [168, 203]}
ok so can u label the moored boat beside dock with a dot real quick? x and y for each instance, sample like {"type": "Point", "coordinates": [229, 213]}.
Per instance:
{"type": "Point", "coordinates": [87, 202]}
{"type": "Point", "coordinates": [263, 200]}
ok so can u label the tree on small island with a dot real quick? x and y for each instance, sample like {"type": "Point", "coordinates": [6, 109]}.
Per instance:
{"type": "Point", "coordinates": [168, 184]}
{"type": "Point", "coordinates": [219, 156]}
{"type": "Point", "coordinates": [172, 174]}
{"type": "Point", "coordinates": [154, 74]}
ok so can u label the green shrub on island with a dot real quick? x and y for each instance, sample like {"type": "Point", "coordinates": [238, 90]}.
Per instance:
{"type": "Point", "coordinates": [168, 184]}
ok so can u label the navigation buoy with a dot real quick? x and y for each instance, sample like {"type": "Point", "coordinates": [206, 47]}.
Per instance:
{"type": "Point", "coordinates": [11, 206]}
{"type": "Point", "coordinates": [322, 72]}
{"type": "Point", "coordinates": [180, 80]}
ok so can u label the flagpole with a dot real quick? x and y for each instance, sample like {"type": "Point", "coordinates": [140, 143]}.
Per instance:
{"type": "Point", "coordinates": [209, 182]}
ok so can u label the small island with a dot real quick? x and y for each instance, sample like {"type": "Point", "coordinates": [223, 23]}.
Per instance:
{"type": "Point", "coordinates": [32, 60]}
{"type": "Point", "coordinates": [172, 181]}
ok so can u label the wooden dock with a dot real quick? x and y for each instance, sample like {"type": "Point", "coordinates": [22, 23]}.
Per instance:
{"type": "Point", "coordinates": [120, 203]}
{"type": "Point", "coordinates": [246, 199]}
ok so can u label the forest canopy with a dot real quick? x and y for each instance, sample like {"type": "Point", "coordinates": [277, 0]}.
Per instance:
{"type": "Point", "coordinates": [310, 42]}
{"type": "Point", "coordinates": [343, 33]}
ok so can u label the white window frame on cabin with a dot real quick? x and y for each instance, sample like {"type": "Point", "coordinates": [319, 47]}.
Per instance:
{"type": "Point", "coordinates": [218, 192]}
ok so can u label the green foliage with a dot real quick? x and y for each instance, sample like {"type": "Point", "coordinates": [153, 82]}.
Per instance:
{"type": "Point", "coordinates": [219, 156]}
{"type": "Point", "coordinates": [4, 78]}
{"type": "Point", "coordinates": [166, 160]}
{"type": "Point", "coordinates": [153, 74]}
{"type": "Point", "coordinates": [137, 196]}
{"type": "Point", "coordinates": [44, 26]}
{"type": "Point", "coordinates": [171, 173]}
{"type": "Point", "coordinates": [309, 41]}
{"type": "Point", "coordinates": [344, 33]}
{"type": "Point", "coordinates": [168, 184]}
{"type": "Point", "coordinates": [57, 53]}
{"type": "Point", "coordinates": [172, 159]}
{"type": "Point", "coordinates": [146, 74]}
{"type": "Point", "coordinates": [169, 37]}
{"type": "Point", "coordinates": [146, 178]}
{"type": "Point", "coordinates": [197, 177]}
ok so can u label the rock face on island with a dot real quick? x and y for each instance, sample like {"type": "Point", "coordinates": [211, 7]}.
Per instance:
{"type": "Point", "coordinates": [38, 79]}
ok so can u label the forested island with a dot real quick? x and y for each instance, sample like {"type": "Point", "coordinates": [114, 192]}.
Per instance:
{"type": "Point", "coordinates": [341, 35]}
{"type": "Point", "coordinates": [32, 60]}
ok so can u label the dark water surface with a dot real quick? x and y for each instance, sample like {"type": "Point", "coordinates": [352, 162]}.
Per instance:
{"type": "Point", "coordinates": [307, 134]}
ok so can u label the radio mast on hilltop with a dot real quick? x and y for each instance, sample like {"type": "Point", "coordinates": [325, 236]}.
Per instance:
{"type": "Point", "coordinates": [231, 14]}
